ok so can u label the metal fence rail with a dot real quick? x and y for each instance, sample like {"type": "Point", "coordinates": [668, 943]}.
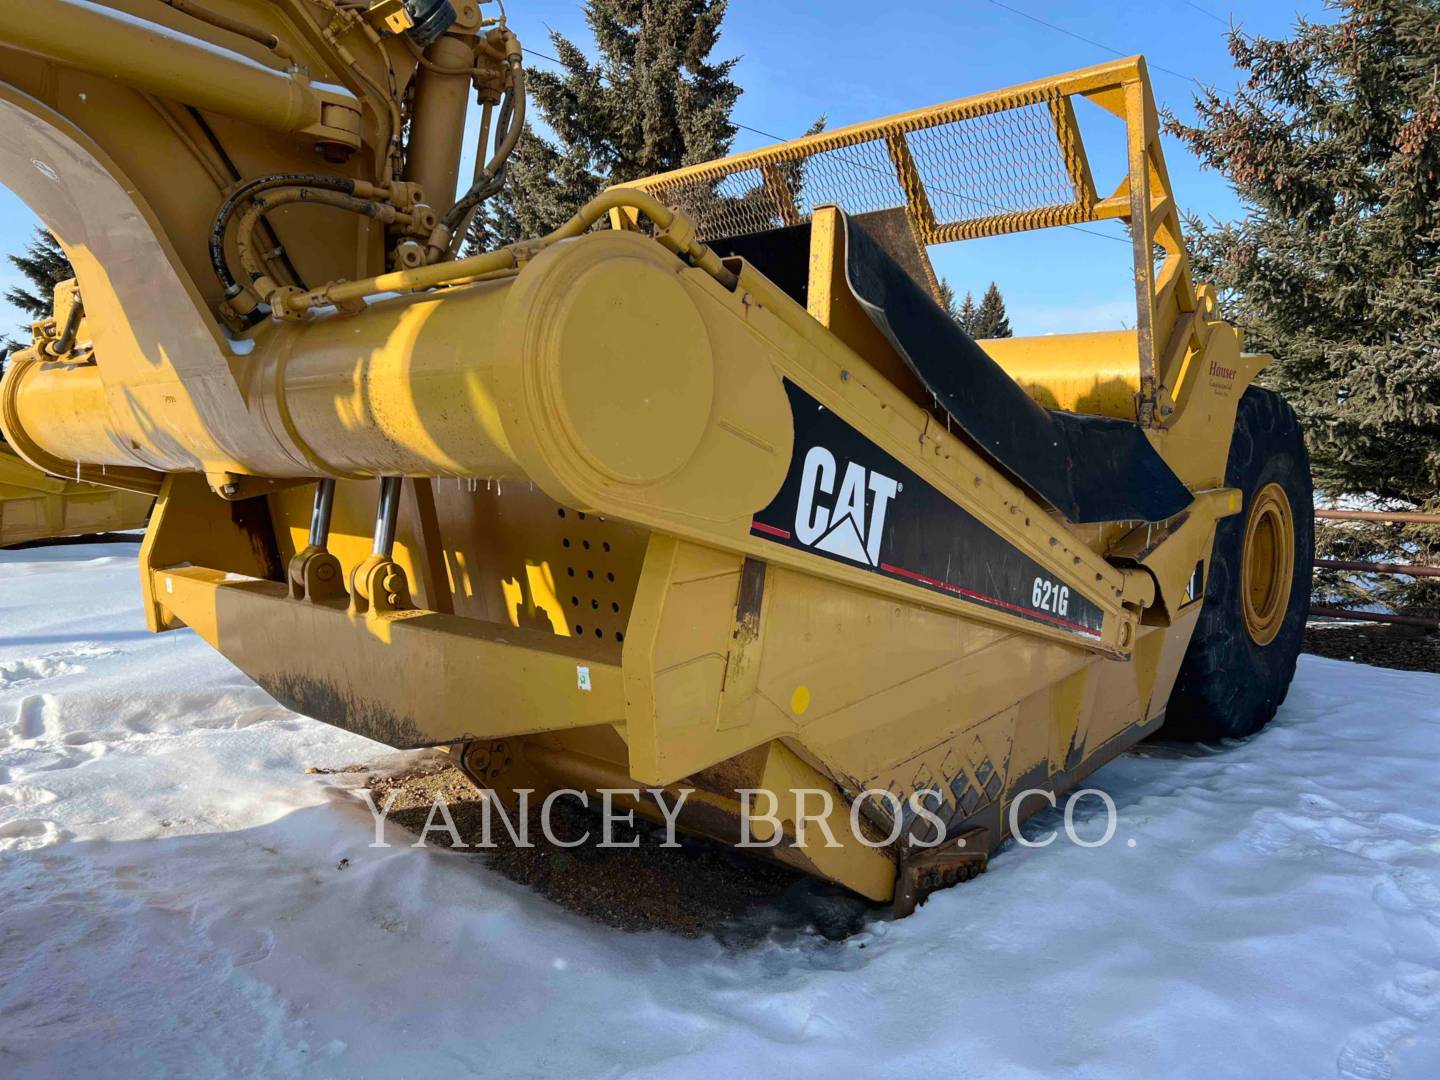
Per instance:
{"type": "Point", "coordinates": [1398, 517]}
{"type": "Point", "coordinates": [1360, 566]}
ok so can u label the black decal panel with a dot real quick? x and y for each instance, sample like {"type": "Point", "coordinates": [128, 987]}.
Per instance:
{"type": "Point", "coordinates": [846, 499]}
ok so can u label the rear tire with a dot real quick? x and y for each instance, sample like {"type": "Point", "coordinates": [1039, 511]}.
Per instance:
{"type": "Point", "coordinates": [1248, 637]}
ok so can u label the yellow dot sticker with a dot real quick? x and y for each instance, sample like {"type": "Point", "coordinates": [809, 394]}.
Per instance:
{"type": "Point", "coordinates": [800, 700]}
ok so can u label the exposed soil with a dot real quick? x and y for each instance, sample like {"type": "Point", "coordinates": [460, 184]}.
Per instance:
{"type": "Point", "coordinates": [695, 889]}
{"type": "Point", "coordinates": [1407, 648]}
{"type": "Point", "coordinates": [703, 888]}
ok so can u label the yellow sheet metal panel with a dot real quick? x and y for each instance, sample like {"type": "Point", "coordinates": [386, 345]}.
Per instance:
{"type": "Point", "coordinates": [416, 679]}
{"type": "Point", "coordinates": [1094, 373]}
{"type": "Point", "coordinates": [36, 506]}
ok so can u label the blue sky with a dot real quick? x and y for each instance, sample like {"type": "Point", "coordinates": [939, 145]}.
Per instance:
{"type": "Point", "coordinates": [854, 61]}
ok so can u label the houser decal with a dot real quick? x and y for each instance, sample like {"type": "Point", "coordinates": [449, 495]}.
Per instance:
{"type": "Point", "coordinates": [846, 499]}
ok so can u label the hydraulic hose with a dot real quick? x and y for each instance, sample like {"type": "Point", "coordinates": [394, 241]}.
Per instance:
{"type": "Point", "coordinates": [262, 204]}
{"type": "Point", "coordinates": [677, 233]}
{"type": "Point", "coordinates": [481, 188]}
{"type": "Point", "coordinates": [392, 160]}
{"type": "Point", "coordinates": [221, 224]}
{"type": "Point", "coordinates": [66, 341]}
{"type": "Point", "coordinates": [440, 69]}
{"type": "Point", "coordinates": [511, 121]}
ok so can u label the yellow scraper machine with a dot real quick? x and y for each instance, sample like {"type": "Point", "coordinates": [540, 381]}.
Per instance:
{"type": "Point", "coordinates": [35, 506]}
{"type": "Point", "coordinates": [701, 491]}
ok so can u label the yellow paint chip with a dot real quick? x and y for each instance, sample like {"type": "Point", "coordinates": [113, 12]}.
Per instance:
{"type": "Point", "coordinates": [800, 700]}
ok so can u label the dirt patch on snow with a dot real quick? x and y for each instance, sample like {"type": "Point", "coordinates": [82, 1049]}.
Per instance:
{"type": "Point", "coordinates": [703, 888]}
{"type": "Point", "coordinates": [1406, 648]}
{"type": "Point", "coordinates": [699, 888]}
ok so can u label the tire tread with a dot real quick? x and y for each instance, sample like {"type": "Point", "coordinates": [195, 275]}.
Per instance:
{"type": "Point", "coordinates": [1228, 686]}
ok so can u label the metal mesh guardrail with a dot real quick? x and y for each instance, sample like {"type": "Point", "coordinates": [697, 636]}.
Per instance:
{"type": "Point", "coordinates": [1003, 162]}
{"type": "Point", "coordinates": [966, 172]}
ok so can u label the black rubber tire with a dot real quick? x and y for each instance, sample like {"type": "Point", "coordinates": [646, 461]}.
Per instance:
{"type": "Point", "coordinates": [1229, 686]}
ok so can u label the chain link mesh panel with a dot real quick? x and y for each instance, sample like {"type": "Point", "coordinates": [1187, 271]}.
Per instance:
{"type": "Point", "coordinates": [1011, 164]}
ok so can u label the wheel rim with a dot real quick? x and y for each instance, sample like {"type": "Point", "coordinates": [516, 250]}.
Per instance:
{"type": "Point", "coordinates": [1267, 563]}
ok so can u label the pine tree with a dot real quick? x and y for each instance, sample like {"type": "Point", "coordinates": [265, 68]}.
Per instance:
{"type": "Point", "coordinates": [1332, 142]}
{"type": "Point", "coordinates": [967, 313]}
{"type": "Point", "coordinates": [44, 265]}
{"type": "Point", "coordinates": [991, 321]}
{"type": "Point", "coordinates": [947, 299]}
{"type": "Point", "coordinates": [651, 102]}
{"type": "Point", "coordinates": [985, 320]}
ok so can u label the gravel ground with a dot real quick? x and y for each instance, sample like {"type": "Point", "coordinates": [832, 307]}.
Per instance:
{"type": "Point", "coordinates": [1407, 648]}
{"type": "Point", "coordinates": [695, 889]}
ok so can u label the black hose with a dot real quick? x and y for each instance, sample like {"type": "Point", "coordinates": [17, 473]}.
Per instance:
{"type": "Point", "coordinates": [477, 195]}
{"type": "Point", "coordinates": [221, 223]}
{"type": "Point", "coordinates": [234, 171]}
{"type": "Point", "coordinates": [72, 327]}
{"type": "Point", "coordinates": [251, 258]}
{"type": "Point", "coordinates": [508, 119]}
{"type": "Point", "coordinates": [479, 190]}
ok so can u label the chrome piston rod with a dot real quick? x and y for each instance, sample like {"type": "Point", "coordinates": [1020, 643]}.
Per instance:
{"type": "Point", "coordinates": [387, 513]}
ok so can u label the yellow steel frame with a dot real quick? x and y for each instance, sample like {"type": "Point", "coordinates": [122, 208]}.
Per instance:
{"type": "Point", "coordinates": [1165, 296]}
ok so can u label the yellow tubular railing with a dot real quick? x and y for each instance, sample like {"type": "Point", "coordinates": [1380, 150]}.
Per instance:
{"type": "Point", "coordinates": [676, 232]}
{"type": "Point", "coordinates": [1008, 161]}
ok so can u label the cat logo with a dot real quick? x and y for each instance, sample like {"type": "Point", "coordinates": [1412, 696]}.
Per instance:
{"type": "Point", "coordinates": [846, 527]}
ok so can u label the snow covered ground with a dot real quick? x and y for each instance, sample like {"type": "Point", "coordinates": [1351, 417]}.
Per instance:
{"type": "Point", "coordinates": [173, 902]}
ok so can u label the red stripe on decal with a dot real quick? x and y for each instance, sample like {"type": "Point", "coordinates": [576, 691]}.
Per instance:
{"type": "Point", "coordinates": [760, 526]}
{"type": "Point", "coordinates": [957, 590]}
{"type": "Point", "coordinates": [971, 594]}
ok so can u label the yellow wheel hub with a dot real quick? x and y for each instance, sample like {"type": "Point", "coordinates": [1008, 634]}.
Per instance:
{"type": "Point", "coordinates": [1267, 563]}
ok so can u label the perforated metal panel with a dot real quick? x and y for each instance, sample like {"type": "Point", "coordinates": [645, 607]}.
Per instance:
{"type": "Point", "coordinates": [600, 575]}
{"type": "Point", "coordinates": [504, 554]}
